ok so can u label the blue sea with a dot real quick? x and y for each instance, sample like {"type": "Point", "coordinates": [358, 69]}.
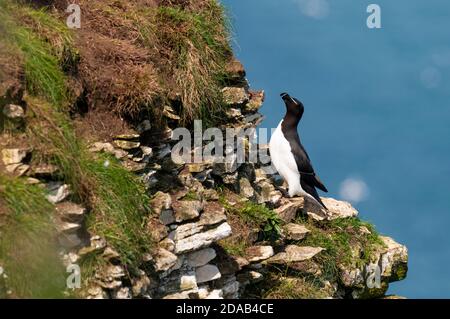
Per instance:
{"type": "Point", "coordinates": [377, 111]}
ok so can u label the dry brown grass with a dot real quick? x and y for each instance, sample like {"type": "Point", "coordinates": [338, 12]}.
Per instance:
{"type": "Point", "coordinates": [117, 75]}
{"type": "Point", "coordinates": [137, 55]}
{"type": "Point", "coordinates": [99, 126]}
{"type": "Point", "coordinates": [191, 5]}
{"type": "Point", "coordinates": [133, 57]}
{"type": "Point", "coordinates": [11, 70]}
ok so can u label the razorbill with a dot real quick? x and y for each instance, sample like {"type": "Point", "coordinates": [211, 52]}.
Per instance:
{"type": "Point", "coordinates": [289, 156]}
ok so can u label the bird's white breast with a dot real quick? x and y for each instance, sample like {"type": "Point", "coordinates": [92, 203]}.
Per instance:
{"type": "Point", "coordinates": [284, 161]}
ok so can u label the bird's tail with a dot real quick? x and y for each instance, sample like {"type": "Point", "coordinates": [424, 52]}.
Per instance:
{"type": "Point", "coordinates": [312, 192]}
{"type": "Point", "coordinates": [321, 203]}
{"type": "Point", "coordinates": [318, 183]}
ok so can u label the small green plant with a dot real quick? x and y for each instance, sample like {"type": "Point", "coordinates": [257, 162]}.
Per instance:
{"type": "Point", "coordinates": [244, 227]}
{"type": "Point", "coordinates": [234, 247]}
{"type": "Point", "coordinates": [254, 215]}
{"type": "Point", "coordinates": [191, 195]}
{"type": "Point", "coordinates": [267, 219]}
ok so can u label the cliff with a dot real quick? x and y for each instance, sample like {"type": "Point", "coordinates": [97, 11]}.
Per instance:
{"type": "Point", "coordinates": [89, 125]}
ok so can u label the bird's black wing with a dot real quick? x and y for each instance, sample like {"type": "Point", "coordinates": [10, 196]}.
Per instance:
{"type": "Point", "coordinates": [308, 176]}
{"type": "Point", "coordinates": [305, 182]}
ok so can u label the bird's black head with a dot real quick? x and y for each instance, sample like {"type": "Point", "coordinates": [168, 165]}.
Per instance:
{"type": "Point", "coordinates": [293, 106]}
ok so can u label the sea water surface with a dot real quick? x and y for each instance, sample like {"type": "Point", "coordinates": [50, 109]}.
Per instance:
{"type": "Point", "coordinates": [377, 111]}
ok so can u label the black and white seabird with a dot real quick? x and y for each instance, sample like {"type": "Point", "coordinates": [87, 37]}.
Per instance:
{"type": "Point", "coordinates": [289, 156]}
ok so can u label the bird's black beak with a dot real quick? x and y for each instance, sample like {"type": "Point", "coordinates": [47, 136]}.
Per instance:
{"type": "Point", "coordinates": [289, 100]}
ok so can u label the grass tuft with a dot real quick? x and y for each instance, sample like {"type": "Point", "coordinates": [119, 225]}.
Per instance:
{"type": "Point", "coordinates": [43, 73]}
{"type": "Point", "coordinates": [256, 216]}
{"type": "Point", "coordinates": [278, 284]}
{"type": "Point", "coordinates": [54, 142]}
{"type": "Point", "coordinates": [28, 252]}
{"type": "Point", "coordinates": [121, 210]}
{"type": "Point", "coordinates": [293, 288]}
{"type": "Point", "coordinates": [198, 48]}
{"type": "Point", "coordinates": [250, 222]}
{"type": "Point", "coordinates": [52, 31]}
{"type": "Point", "coordinates": [267, 219]}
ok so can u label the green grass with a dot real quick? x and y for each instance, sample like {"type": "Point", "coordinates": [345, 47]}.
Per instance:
{"type": "Point", "coordinates": [55, 142]}
{"type": "Point", "coordinates": [235, 247]}
{"type": "Point", "coordinates": [281, 285]}
{"type": "Point", "coordinates": [52, 31]}
{"type": "Point", "coordinates": [369, 242]}
{"type": "Point", "coordinates": [261, 215]}
{"type": "Point", "coordinates": [116, 197]}
{"type": "Point", "coordinates": [191, 195]}
{"type": "Point", "coordinates": [256, 215]}
{"type": "Point", "coordinates": [27, 249]}
{"type": "Point", "coordinates": [90, 264]}
{"type": "Point", "coordinates": [43, 73]}
{"type": "Point", "coordinates": [121, 209]}
{"type": "Point", "coordinates": [338, 237]}
{"type": "Point", "coordinates": [247, 220]}
{"type": "Point", "coordinates": [199, 49]}
{"type": "Point", "coordinates": [201, 29]}
{"type": "Point", "coordinates": [119, 205]}
{"type": "Point", "coordinates": [293, 288]}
